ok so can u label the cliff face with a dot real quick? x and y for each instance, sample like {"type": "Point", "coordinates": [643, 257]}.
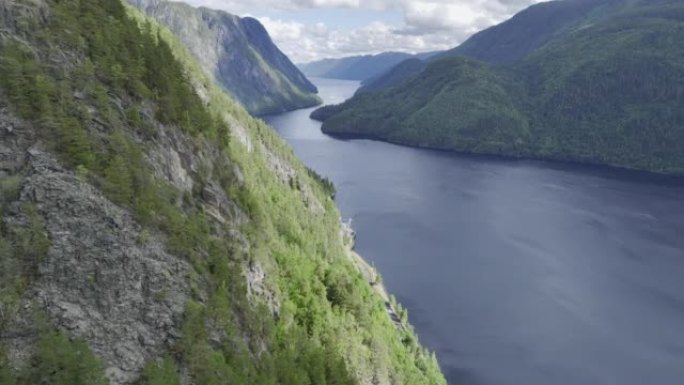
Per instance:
{"type": "Point", "coordinates": [101, 278]}
{"type": "Point", "coordinates": [239, 53]}
{"type": "Point", "coordinates": [153, 232]}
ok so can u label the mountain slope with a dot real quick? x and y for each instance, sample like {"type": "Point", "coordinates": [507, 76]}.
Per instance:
{"type": "Point", "coordinates": [396, 75]}
{"type": "Point", "coordinates": [606, 91]}
{"type": "Point", "coordinates": [513, 39]}
{"type": "Point", "coordinates": [531, 29]}
{"type": "Point", "coordinates": [152, 232]}
{"type": "Point", "coordinates": [481, 109]}
{"type": "Point", "coordinates": [358, 67]}
{"type": "Point", "coordinates": [239, 53]}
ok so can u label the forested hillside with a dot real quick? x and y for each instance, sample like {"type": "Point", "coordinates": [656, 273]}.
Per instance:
{"type": "Point", "coordinates": [513, 39]}
{"type": "Point", "coordinates": [531, 29]}
{"type": "Point", "coordinates": [154, 233]}
{"type": "Point", "coordinates": [607, 90]}
{"type": "Point", "coordinates": [239, 54]}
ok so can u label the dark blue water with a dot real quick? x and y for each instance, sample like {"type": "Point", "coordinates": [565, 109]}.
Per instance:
{"type": "Point", "coordinates": [515, 272]}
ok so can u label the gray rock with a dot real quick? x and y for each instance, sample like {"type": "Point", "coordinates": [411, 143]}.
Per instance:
{"type": "Point", "coordinates": [240, 55]}
{"type": "Point", "coordinates": [100, 281]}
{"type": "Point", "coordinates": [104, 278]}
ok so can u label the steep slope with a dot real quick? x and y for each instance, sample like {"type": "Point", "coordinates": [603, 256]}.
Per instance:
{"type": "Point", "coordinates": [606, 91]}
{"type": "Point", "coordinates": [530, 29]}
{"type": "Point", "coordinates": [153, 232]}
{"type": "Point", "coordinates": [358, 67]}
{"type": "Point", "coordinates": [239, 53]}
{"type": "Point", "coordinates": [482, 114]}
{"type": "Point", "coordinates": [515, 38]}
{"type": "Point", "coordinates": [394, 76]}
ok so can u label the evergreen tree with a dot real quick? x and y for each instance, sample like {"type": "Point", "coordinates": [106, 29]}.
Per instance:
{"type": "Point", "coordinates": [60, 361]}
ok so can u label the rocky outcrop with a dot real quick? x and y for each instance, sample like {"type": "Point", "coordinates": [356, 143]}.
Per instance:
{"type": "Point", "coordinates": [239, 53]}
{"type": "Point", "coordinates": [288, 176]}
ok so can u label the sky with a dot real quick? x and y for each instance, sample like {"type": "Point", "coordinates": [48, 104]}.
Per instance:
{"type": "Point", "coordinates": [308, 30]}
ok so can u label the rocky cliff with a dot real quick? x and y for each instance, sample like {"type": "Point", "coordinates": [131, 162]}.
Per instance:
{"type": "Point", "coordinates": [152, 232]}
{"type": "Point", "coordinates": [239, 53]}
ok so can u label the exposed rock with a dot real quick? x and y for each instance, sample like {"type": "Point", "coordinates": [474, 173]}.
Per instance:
{"type": "Point", "coordinates": [14, 14]}
{"type": "Point", "coordinates": [256, 287]}
{"type": "Point", "coordinates": [240, 133]}
{"type": "Point", "coordinates": [240, 55]}
{"type": "Point", "coordinates": [102, 279]}
{"type": "Point", "coordinates": [287, 174]}
{"type": "Point", "coordinates": [178, 160]}
{"type": "Point", "coordinates": [239, 177]}
{"type": "Point", "coordinates": [171, 160]}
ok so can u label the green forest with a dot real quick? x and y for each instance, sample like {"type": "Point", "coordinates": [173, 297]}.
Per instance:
{"type": "Point", "coordinates": [120, 80]}
{"type": "Point", "coordinates": [606, 89]}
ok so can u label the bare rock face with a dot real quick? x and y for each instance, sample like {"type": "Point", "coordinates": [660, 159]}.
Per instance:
{"type": "Point", "coordinates": [239, 53]}
{"type": "Point", "coordinates": [14, 12]}
{"type": "Point", "coordinates": [258, 288]}
{"type": "Point", "coordinates": [103, 279]}
{"type": "Point", "coordinates": [287, 174]}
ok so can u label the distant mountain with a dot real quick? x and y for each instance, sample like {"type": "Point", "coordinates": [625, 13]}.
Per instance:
{"type": "Point", "coordinates": [358, 67]}
{"type": "Point", "coordinates": [513, 39]}
{"type": "Point", "coordinates": [239, 53]}
{"type": "Point", "coordinates": [585, 80]}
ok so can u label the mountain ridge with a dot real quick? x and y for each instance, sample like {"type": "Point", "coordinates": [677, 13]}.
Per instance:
{"type": "Point", "coordinates": [576, 98]}
{"type": "Point", "coordinates": [510, 40]}
{"type": "Point", "coordinates": [362, 68]}
{"type": "Point", "coordinates": [153, 232]}
{"type": "Point", "coordinates": [239, 53]}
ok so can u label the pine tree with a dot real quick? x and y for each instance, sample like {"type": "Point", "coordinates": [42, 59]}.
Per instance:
{"type": "Point", "coordinates": [118, 181]}
{"type": "Point", "coordinates": [73, 141]}
{"type": "Point", "coordinates": [59, 361]}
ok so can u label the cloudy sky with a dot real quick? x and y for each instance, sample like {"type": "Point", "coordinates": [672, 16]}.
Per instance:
{"type": "Point", "coordinates": [309, 30]}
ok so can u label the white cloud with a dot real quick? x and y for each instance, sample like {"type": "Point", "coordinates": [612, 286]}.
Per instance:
{"type": "Point", "coordinates": [312, 42]}
{"type": "Point", "coordinates": [457, 18]}
{"type": "Point", "coordinates": [430, 16]}
{"type": "Point", "coordinates": [247, 6]}
{"type": "Point", "coordinates": [427, 24]}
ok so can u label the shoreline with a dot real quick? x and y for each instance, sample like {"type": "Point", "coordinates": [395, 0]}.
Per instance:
{"type": "Point", "coordinates": [602, 169]}
{"type": "Point", "coordinates": [371, 276]}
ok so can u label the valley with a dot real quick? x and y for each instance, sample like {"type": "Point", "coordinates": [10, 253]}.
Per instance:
{"type": "Point", "coordinates": [514, 272]}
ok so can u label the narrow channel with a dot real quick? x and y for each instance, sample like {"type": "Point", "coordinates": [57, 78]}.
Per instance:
{"type": "Point", "coordinates": [515, 272]}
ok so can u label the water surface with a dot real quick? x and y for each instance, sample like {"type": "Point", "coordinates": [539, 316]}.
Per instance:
{"type": "Point", "coordinates": [515, 272]}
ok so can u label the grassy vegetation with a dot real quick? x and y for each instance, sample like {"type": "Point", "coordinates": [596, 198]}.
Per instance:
{"type": "Point", "coordinates": [100, 110]}
{"type": "Point", "coordinates": [325, 183]}
{"type": "Point", "coordinates": [57, 360]}
{"type": "Point", "coordinates": [608, 91]}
